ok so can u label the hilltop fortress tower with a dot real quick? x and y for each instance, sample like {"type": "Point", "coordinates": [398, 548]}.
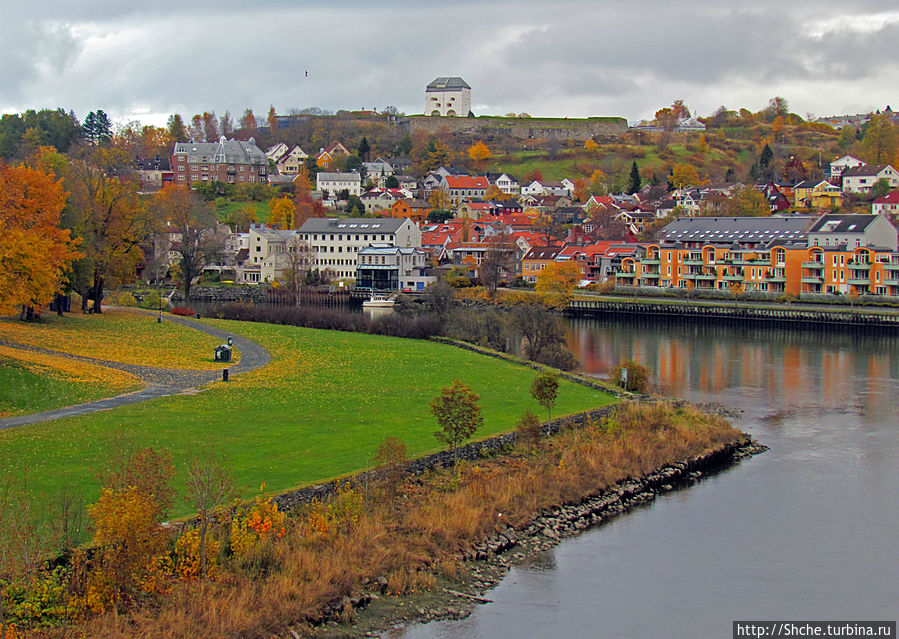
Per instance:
{"type": "Point", "coordinates": [448, 96]}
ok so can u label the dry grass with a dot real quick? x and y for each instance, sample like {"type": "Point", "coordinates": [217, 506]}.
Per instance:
{"type": "Point", "coordinates": [411, 537]}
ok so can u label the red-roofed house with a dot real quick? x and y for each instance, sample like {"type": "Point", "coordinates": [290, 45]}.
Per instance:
{"type": "Point", "coordinates": [462, 188]}
{"type": "Point", "coordinates": [886, 205]}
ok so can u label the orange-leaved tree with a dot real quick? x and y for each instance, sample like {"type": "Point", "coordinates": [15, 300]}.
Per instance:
{"type": "Point", "coordinates": [35, 252]}
{"type": "Point", "coordinates": [281, 213]}
{"type": "Point", "coordinates": [559, 278]}
{"type": "Point", "coordinates": [478, 153]}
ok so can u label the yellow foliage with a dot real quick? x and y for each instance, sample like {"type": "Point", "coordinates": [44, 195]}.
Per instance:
{"type": "Point", "coordinates": [70, 370]}
{"type": "Point", "coordinates": [254, 524]}
{"type": "Point", "coordinates": [187, 556]}
{"type": "Point", "coordinates": [281, 212]}
{"type": "Point", "coordinates": [559, 277]}
{"type": "Point", "coordinates": [478, 152]}
{"type": "Point", "coordinates": [590, 146]}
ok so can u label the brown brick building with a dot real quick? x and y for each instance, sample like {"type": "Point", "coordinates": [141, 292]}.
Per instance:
{"type": "Point", "coordinates": [228, 161]}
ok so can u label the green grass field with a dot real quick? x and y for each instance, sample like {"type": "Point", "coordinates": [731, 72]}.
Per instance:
{"type": "Point", "coordinates": [31, 388]}
{"type": "Point", "coordinates": [317, 411]}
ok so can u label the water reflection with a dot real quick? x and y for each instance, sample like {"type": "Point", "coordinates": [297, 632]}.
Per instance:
{"type": "Point", "coordinates": [783, 366]}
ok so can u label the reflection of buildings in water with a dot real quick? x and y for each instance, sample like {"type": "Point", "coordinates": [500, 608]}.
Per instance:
{"type": "Point", "coordinates": [791, 366]}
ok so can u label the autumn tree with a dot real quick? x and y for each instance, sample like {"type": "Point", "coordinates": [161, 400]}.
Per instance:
{"type": "Point", "coordinates": [35, 253]}
{"type": "Point", "coordinates": [272, 120]}
{"type": "Point", "coordinates": [440, 199]}
{"type": "Point", "coordinates": [684, 176]}
{"type": "Point", "coordinates": [135, 498]}
{"type": "Point", "coordinates": [880, 141]}
{"type": "Point", "coordinates": [209, 484]}
{"type": "Point", "coordinates": [281, 213]}
{"type": "Point", "coordinates": [559, 278]}
{"type": "Point", "coordinates": [543, 334]}
{"type": "Point", "coordinates": [22, 545]}
{"type": "Point", "coordinates": [226, 124]}
{"type": "Point", "coordinates": [210, 127]}
{"type": "Point", "coordinates": [534, 175]}
{"type": "Point", "coordinates": [390, 459]}
{"type": "Point", "coordinates": [746, 201]}
{"type": "Point", "coordinates": [192, 225]}
{"type": "Point", "coordinates": [478, 154]}
{"type": "Point", "coordinates": [545, 389]}
{"type": "Point", "coordinates": [248, 120]}
{"type": "Point", "coordinates": [241, 219]}
{"type": "Point", "coordinates": [176, 128]}
{"type": "Point", "coordinates": [299, 263]}
{"type": "Point", "coordinates": [305, 206]}
{"type": "Point", "coordinates": [458, 414]}
{"type": "Point", "coordinates": [498, 262]}
{"type": "Point", "coordinates": [196, 131]}
{"type": "Point", "coordinates": [104, 210]}
{"type": "Point", "coordinates": [493, 192]}
{"type": "Point", "coordinates": [607, 225]}
{"type": "Point", "coordinates": [590, 146]}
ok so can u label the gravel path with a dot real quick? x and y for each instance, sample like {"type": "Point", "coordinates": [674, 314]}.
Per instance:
{"type": "Point", "coordinates": [160, 382]}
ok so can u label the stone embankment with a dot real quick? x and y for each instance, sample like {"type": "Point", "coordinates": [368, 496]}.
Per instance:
{"type": "Point", "coordinates": [486, 563]}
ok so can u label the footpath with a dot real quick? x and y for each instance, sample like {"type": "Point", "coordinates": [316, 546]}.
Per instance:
{"type": "Point", "coordinates": [160, 382]}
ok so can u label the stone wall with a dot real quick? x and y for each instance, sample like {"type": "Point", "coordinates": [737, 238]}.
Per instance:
{"type": "Point", "coordinates": [608, 128]}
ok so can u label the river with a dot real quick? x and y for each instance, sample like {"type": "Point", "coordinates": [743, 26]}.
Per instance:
{"type": "Point", "coordinates": [804, 531]}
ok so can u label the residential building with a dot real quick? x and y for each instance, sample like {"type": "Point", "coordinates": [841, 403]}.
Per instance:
{"type": "Point", "coordinates": [504, 182]}
{"type": "Point", "coordinates": [861, 179]}
{"type": "Point", "coordinates": [378, 172]}
{"type": "Point", "coordinates": [393, 268]}
{"type": "Point", "coordinates": [462, 188]}
{"type": "Point", "coordinates": [887, 205]}
{"type": "Point", "coordinates": [291, 162]}
{"type": "Point", "coordinates": [536, 259]}
{"type": "Point", "coordinates": [334, 183]}
{"type": "Point", "coordinates": [413, 208]}
{"type": "Point", "coordinates": [448, 96]}
{"type": "Point", "coordinates": [267, 255]}
{"type": "Point", "coordinates": [853, 231]}
{"type": "Point", "coordinates": [859, 271]}
{"type": "Point", "coordinates": [229, 161]}
{"type": "Point", "coordinates": [335, 242]}
{"type": "Point", "coordinates": [841, 164]}
{"type": "Point", "coordinates": [747, 232]}
{"type": "Point", "coordinates": [821, 194]}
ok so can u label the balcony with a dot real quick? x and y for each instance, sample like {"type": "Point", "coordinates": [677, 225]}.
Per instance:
{"type": "Point", "coordinates": [651, 261]}
{"type": "Point", "coordinates": [889, 266]}
{"type": "Point", "coordinates": [688, 276]}
{"type": "Point", "coordinates": [812, 280]}
{"type": "Point", "coordinates": [814, 265]}
{"type": "Point", "coordinates": [708, 277]}
{"type": "Point", "coordinates": [860, 266]}
{"type": "Point", "coordinates": [625, 274]}
{"type": "Point", "coordinates": [692, 262]}
{"type": "Point", "coordinates": [891, 281]}
{"type": "Point", "coordinates": [775, 278]}
{"type": "Point", "coordinates": [733, 277]}
{"type": "Point", "coordinates": [650, 276]}
{"type": "Point", "coordinates": [859, 281]}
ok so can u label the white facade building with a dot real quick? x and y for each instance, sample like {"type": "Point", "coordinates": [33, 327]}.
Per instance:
{"type": "Point", "coordinates": [334, 183]}
{"type": "Point", "coordinates": [448, 96]}
{"type": "Point", "coordinates": [336, 242]}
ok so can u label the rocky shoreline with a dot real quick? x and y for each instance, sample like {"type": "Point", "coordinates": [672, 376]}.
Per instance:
{"type": "Point", "coordinates": [374, 613]}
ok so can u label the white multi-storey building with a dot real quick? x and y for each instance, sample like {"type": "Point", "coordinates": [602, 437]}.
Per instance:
{"type": "Point", "coordinates": [335, 242]}
{"type": "Point", "coordinates": [334, 183]}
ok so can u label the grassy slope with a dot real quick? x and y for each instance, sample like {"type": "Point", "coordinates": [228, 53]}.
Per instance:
{"type": "Point", "coordinates": [317, 411]}
{"type": "Point", "coordinates": [225, 208]}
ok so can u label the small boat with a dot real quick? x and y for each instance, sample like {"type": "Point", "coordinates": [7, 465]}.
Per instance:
{"type": "Point", "coordinates": [378, 301]}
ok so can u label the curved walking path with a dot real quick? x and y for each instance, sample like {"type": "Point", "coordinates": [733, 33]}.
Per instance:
{"type": "Point", "coordinates": [160, 382]}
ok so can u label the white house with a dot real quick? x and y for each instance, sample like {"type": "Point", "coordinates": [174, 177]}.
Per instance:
{"type": "Point", "coordinates": [336, 242]}
{"type": "Point", "coordinates": [860, 179]}
{"type": "Point", "coordinates": [448, 96]}
{"type": "Point", "coordinates": [505, 183]}
{"type": "Point", "coordinates": [334, 183]}
{"type": "Point", "coordinates": [841, 164]}
{"type": "Point", "coordinates": [546, 187]}
{"type": "Point", "coordinates": [378, 171]}
{"type": "Point", "coordinates": [267, 255]}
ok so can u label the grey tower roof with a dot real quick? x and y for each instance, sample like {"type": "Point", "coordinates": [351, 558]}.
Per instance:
{"type": "Point", "coordinates": [453, 83]}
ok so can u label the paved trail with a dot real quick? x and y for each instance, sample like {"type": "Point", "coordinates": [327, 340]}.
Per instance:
{"type": "Point", "coordinates": [160, 382]}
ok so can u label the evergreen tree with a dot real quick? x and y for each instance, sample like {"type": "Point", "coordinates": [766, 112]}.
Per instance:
{"type": "Point", "coordinates": [97, 128]}
{"type": "Point", "coordinates": [176, 128]}
{"type": "Point", "coordinates": [635, 179]}
{"type": "Point", "coordinates": [766, 169]}
{"type": "Point", "coordinates": [364, 149]}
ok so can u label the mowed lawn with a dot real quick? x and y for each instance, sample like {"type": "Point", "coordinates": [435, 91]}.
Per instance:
{"type": "Point", "coordinates": [317, 411]}
{"type": "Point", "coordinates": [34, 382]}
{"type": "Point", "coordinates": [119, 335]}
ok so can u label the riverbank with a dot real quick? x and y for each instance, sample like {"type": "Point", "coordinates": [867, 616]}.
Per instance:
{"type": "Point", "coordinates": [455, 593]}
{"type": "Point", "coordinates": [863, 318]}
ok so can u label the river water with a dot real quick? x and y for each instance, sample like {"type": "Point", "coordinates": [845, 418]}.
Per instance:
{"type": "Point", "coordinates": [807, 530]}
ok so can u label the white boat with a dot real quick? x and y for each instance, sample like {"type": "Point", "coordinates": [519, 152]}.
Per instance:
{"type": "Point", "coordinates": [378, 301]}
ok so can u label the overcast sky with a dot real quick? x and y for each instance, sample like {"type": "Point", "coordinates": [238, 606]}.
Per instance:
{"type": "Point", "coordinates": [597, 57]}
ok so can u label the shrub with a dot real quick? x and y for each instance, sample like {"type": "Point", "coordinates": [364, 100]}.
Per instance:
{"type": "Point", "coordinates": [184, 311]}
{"type": "Point", "coordinates": [124, 298]}
{"type": "Point", "coordinates": [529, 428]}
{"type": "Point", "coordinates": [638, 376]}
